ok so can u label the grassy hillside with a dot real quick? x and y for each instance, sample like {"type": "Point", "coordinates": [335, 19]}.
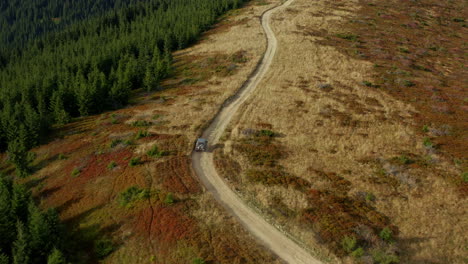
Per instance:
{"type": "Point", "coordinates": [356, 140]}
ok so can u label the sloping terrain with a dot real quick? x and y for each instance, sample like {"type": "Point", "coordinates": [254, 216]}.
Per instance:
{"type": "Point", "coordinates": [342, 162]}
{"type": "Point", "coordinates": [204, 167]}
{"type": "Point", "coordinates": [122, 180]}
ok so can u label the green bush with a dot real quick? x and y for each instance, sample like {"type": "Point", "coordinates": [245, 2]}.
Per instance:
{"type": "Point", "coordinates": [135, 161]}
{"type": "Point", "coordinates": [132, 194]}
{"type": "Point", "coordinates": [267, 133]}
{"type": "Point", "coordinates": [103, 247]}
{"type": "Point", "coordinates": [169, 199]}
{"type": "Point", "coordinates": [61, 156]}
{"type": "Point", "coordinates": [359, 252]}
{"type": "Point", "coordinates": [155, 152]}
{"type": "Point", "coordinates": [465, 176]}
{"type": "Point", "coordinates": [428, 143]}
{"type": "Point", "coordinates": [405, 160]}
{"type": "Point", "coordinates": [75, 172]}
{"type": "Point", "coordinates": [370, 197]}
{"type": "Point", "coordinates": [386, 234]}
{"type": "Point", "coordinates": [115, 142]}
{"type": "Point", "coordinates": [141, 123]}
{"type": "Point", "coordinates": [349, 243]}
{"type": "Point", "coordinates": [381, 257]}
{"type": "Point", "coordinates": [141, 134]}
{"type": "Point", "coordinates": [198, 261]}
{"type": "Point", "coordinates": [348, 36]}
{"type": "Point", "coordinates": [112, 165]}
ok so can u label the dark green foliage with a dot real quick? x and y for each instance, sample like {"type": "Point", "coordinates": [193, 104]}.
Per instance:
{"type": "Point", "coordinates": [20, 201]}
{"type": "Point", "coordinates": [169, 199]}
{"type": "Point", "coordinates": [135, 161]}
{"type": "Point", "coordinates": [21, 249]}
{"type": "Point", "coordinates": [103, 248]}
{"type": "Point", "coordinates": [112, 165]}
{"type": "Point", "coordinates": [78, 58]}
{"type": "Point", "coordinates": [386, 234]}
{"type": "Point", "coordinates": [131, 195]}
{"type": "Point", "coordinates": [348, 36]}
{"type": "Point", "coordinates": [7, 218]}
{"type": "Point", "coordinates": [141, 134]}
{"type": "Point", "coordinates": [349, 243]}
{"type": "Point", "coordinates": [56, 257]}
{"type": "Point", "coordinates": [4, 259]}
{"type": "Point", "coordinates": [382, 257]}
{"type": "Point", "coordinates": [198, 261]}
{"type": "Point", "coordinates": [154, 152]}
{"type": "Point", "coordinates": [28, 235]}
{"type": "Point", "coordinates": [141, 123]}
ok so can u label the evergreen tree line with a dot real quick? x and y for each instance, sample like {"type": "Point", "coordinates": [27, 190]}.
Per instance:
{"type": "Point", "coordinates": [22, 21]}
{"type": "Point", "coordinates": [28, 235]}
{"type": "Point", "coordinates": [93, 65]}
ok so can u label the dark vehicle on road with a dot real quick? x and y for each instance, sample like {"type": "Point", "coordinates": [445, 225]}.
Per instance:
{"type": "Point", "coordinates": [201, 145]}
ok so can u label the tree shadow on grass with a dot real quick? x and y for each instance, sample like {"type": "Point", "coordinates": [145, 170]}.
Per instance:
{"type": "Point", "coordinates": [89, 242]}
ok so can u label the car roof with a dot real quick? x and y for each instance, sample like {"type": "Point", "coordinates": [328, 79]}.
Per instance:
{"type": "Point", "coordinates": [201, 140]}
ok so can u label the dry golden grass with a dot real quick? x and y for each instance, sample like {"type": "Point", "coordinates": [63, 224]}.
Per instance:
{"type": "Point", "coordinates": [314, 97]}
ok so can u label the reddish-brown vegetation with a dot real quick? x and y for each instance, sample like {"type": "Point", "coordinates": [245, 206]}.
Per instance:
{"type": "Point", "coordinates": [417, 50]}
{"type": "Point", "coordinates": [176, 176]}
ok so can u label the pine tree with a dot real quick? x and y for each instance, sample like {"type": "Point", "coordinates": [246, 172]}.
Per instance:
{"type": "Point", "coordinates": [18, 154]}
{"type": "Point", "coordinates": [57, 108]}
{"type": "Point", "coordinates": [7, 223]}
{"type": "Point", "coordinates": [39, 233]}
{"type": "Point", "coordinates": [4, 259]}
{"type": "Point", "coordinates": [56, 257]}
{"type": "Point", "coordinates": [20, 201]}
{"type": "Point", "coordinates": [21, 250]}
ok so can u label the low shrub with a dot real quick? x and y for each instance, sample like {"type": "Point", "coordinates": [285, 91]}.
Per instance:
{"type": "Point", "coordinates": [154, 152]}
{"type": "Point", "coordinates": [386, 234]}
{"type": "Point", "coordinates": [135, 161]}
{"type": "Point", "coordinates": [141, 134]}
{"type": "Point", "coordinates": [75, 172]}
{"type": "Point", "coordinates": [370, 197]}
{"type": "Point", "coordinates": [115, 142]}
{"type": "Point", "coordinates": [382, 257]}
{"type": "Point", "coordinates": [348, 36]}
{"type": "Point", "coordinates": [428, 143]}
{"type": "Point", "coordinates": [61, 156]}
{"type": "Point", "coordinates": [359, 252]}
{"type": "Point", "coordinates": [103, 247]}
{"type": "Point", "coordinates": [112, 165]}
{"type": "Point", "coordinates": [141, 123]}
{"type": "Point", "coordinates": [169, 199]}
{"type": "Point", "coordinates": [132, 194]}
{"type": "Point", "coordinates": [349, 243]}
{"type": "Point", "coordinates": [198, 261]}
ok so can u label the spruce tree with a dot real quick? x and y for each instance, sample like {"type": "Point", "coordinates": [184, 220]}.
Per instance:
{"type": "Point", "coordinates": [39, 233]}
{"type": "Point", "coordinates": [20, 201]}
{"type": "Point", "coordinates": [4, 259]}
{"type": "Point", "coordinates": [21, 250]}
{"type": "Point", "coordinates": [57, 108]}
{"type": "Point", "coordinates": [18, 154]}
{"type": "Point", "coordinates": [7, 222]}
{"type": "Point", "coordinates": [56, 257]}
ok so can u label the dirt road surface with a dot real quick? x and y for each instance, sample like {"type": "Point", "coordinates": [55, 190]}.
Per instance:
{"type": "Point", "coordinates": [203, 164]}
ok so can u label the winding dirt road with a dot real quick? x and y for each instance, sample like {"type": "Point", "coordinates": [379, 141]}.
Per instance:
{"type": "Point", "coordinates": [204, 167]}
